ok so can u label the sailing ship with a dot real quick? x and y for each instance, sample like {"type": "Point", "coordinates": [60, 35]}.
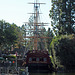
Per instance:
{"type": "Point", "coordinates": [38, 59]}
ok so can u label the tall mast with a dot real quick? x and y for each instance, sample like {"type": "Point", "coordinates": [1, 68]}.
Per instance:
{"type": "Point", "coordinates": [36, 15]}
{"type": "Point", "coordinates": [36, 25]}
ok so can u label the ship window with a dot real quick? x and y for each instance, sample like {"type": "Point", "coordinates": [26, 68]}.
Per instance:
{"type": "Point", "coordinates": [45, 59]}
{"type": "Point", "coordinates": [34, 59]}
{"type": "Point", "coordinates": [37, 59]}
{"type": "Point", "coordinates": [30, 59]}
{"type": "Point", "coordinates": [41, 59]}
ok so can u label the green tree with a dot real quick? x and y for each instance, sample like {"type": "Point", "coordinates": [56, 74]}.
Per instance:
{"type": "Point", "coordinates": [62, 14]}
{"type": "Point", "coordinates": [21, 36]}
{"type": "Point", "coordinates": [50, 35]}
{"type": "Point", "coordinates": [63, 51]}
{"type": "Point", "coordinates": [8, 34]}
{"type": "Point", "coordinates": [42, 41]}
{"type": "Point", "coordinates": [2, 33]}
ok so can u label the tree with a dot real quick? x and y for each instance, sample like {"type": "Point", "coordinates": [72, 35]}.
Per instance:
{"type": "Point", "coordinates": [66, 53]}
{"type": "Point", "coordinates": [62, 14]}
{"type": "Point", "coordinates": [63, 51]}
{"type": "Point", "coordinates": [1, 33]}
{"type": "Point", "coordinates": [21, 36]}
{"type": "Point", "coordinates": [3, 27]}
{"type": "Point", "coordinates": [50, 35]}
{"type": "Point", "coordinates": [8, 34]}
{"type": "Point", "coordinates": [42, 41]}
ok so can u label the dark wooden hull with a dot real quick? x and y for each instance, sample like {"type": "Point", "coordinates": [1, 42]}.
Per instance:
{"type": "Point", "coordinates": [39, 67]}
{"type": "Point", "coordinates": [39, 61]}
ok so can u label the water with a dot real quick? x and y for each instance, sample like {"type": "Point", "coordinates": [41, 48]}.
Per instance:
{"type": "Point", "coordinates": [52, 74]}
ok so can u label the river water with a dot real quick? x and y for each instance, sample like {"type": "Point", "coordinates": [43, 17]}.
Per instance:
{"type": "Point", "coordinates": [51, 73]}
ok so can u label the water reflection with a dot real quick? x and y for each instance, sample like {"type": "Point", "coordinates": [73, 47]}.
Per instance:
{"type": "Point", "coordinates": [52, 74]}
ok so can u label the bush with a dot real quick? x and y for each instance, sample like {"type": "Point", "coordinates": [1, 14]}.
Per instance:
{"type": "Point", "coordinates": [63, 48]}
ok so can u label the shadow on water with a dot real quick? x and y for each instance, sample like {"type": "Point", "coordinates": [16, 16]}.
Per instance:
{"type": "Point", "coordinates": [52, 73]}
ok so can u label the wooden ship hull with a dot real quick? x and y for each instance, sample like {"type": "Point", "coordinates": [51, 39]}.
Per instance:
{"type": "Point", "coordinates": [39, 61]}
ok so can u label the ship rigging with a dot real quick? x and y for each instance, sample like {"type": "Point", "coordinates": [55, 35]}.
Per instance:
{"type": "Point", "coordinates": [36, 28]}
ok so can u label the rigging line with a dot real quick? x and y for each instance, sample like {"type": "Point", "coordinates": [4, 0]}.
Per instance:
{"type": "Point", "coordinates": [42, 44]}
{"type": "Point", "coordinates": [26, 49]}
{"type": "Point", "coordinates": [43, 16]}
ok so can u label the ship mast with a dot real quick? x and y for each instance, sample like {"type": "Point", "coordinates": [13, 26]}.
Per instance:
{"type": "Point", "coordinates": [36, 15]}
{"type": "Point", "coordinates": [36, 24]}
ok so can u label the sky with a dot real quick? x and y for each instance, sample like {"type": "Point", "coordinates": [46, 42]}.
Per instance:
{"type": "Point", "coordinates": [16, 11]}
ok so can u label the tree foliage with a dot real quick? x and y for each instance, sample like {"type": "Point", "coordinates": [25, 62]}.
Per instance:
{"type": "Point", "coordinates": [63, 16]}
{"type": "Point", "coordinates": [63, 49]}
{"type": "Point", "coordinates": [8, 34]}
{"type": "Point", "coordinates": [50, 35]}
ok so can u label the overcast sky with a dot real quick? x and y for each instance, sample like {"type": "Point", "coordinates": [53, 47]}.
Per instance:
{"type": "Point", "coordinates": [15, 11]}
